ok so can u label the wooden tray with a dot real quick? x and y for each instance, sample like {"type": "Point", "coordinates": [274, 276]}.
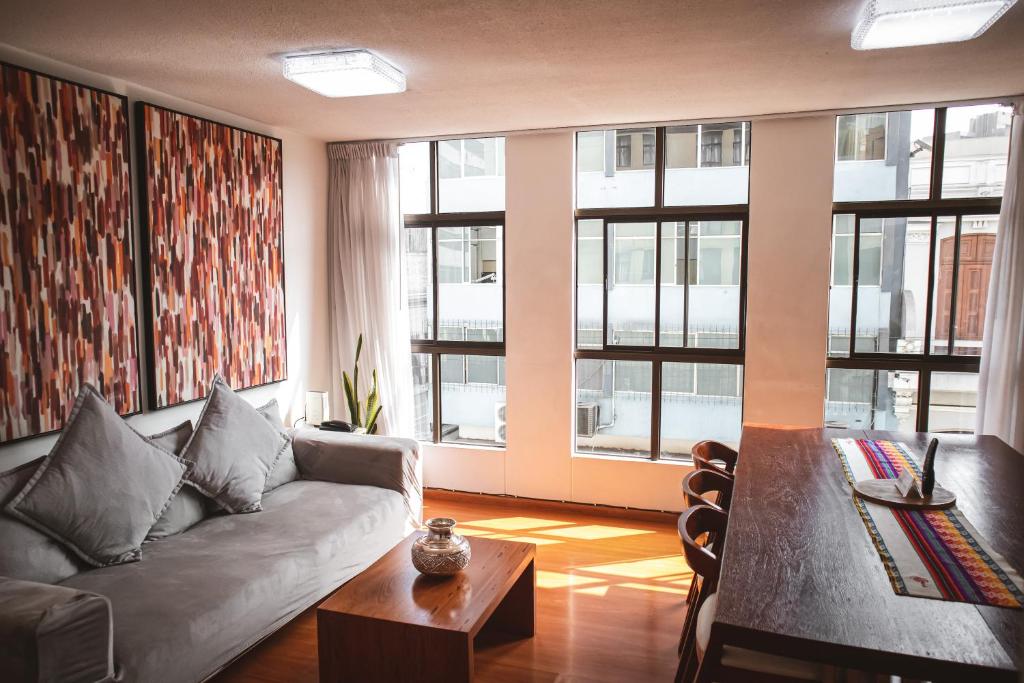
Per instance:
{"type": "Point", "coordinates": [883, 492]}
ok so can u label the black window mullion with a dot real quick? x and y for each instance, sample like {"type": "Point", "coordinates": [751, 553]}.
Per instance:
{"type": "Point", "coordinates": [930, 303]}
{"type": "Point", "coordinates": [686, 281]}
{"type": "Point", "coordinates": [659, 167]}
{"type": "Point", "coordinates": [436, 285]}
{"type": "Point", "coordinates": [433, 178]}
{"type": "Point", "coordinates": [655, 442]}
{"type": "Point", "coordinates": [742, 341]}
{"type": "Point", "coordinates": [435, 363]}
{"type": "Point", "coordinates": [855, 281]}
{"type": "Point", "coordinates": [938, 153]}
{"type": "Point", "coordinates": [606, 283]}
{"type": "Point", "coordinates": [954, 293]}
{"type": "Point", "coordinates": [924, 390]}
{"type": "Point", "coordinates": [657, 284]}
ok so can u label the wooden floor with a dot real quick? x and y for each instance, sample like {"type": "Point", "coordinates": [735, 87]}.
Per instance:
{"type": "Point", "coordinates": [610, 599]}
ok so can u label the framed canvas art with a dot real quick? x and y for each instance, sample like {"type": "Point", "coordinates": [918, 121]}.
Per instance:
{"type": "Point", "coordinates": [213, 233]}
{"type": "Point", "coordinates": [67, 300]}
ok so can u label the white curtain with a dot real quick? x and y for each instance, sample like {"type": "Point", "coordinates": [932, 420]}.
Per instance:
{"type": "Point", "coordinates": [1001, 381]}
{"type": "Point", "coordinates": [365, 282]}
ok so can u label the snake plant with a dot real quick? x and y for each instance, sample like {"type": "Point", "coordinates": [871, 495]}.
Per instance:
{"type": "Point", "coordinates": [364, 416]}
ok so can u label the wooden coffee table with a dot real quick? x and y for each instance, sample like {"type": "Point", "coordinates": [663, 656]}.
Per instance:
{"type": "Point", "coordinates": [391, 623]}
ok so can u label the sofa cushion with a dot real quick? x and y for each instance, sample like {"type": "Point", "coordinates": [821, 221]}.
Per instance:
{"type": "Point", "coordinates": [285, 470]}
{"type": "Point", "coordinates": [202, 597]}
{"type": "Point", "coordinates": [232, 450]}
{"type": "Point", "coordinates": [26, 553]}
{"type": "Point", "coordinates": [188, 507]}
{"type": "Point", "coordinates": [101, 488]}
{"type": "Point", "coordinates": [173, 439]}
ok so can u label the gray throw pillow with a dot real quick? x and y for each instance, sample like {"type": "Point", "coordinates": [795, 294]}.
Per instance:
{"type": "Point", "coordinates": [285, 470]}
{"type": "Point", "coordinates": [188, 507]}
{"type": "Point", "coordinates": [232, 451]}
{"type": "Point", "coordinates": [173, 439]}
{"type": "Point", "coordinates": [24, 552]}
{"type": "Point", "coordinates": [101, 488]}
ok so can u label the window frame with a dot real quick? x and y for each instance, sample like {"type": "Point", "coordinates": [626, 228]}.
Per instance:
{"type": "Point", "coordinates": [933, 208]}
{"type": "Point", "coordinates": [656, 354]}
{"type": "Point", "coordinates": [436, 347]}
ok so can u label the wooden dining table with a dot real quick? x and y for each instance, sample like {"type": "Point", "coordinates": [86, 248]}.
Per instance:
{"type": "Point", "coordinates": [800, 576]}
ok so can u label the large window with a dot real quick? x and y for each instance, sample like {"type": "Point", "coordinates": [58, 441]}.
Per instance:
{"type": "Point", "coordinates": [453, 199]}
{"type": "Point", "coordinates": [916, 203]}
{"type": "Point", "coordinates": [661, 225]}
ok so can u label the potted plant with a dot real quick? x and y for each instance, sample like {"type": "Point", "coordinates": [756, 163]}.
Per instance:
{"type": "Point", "coordinates": [364, 417]}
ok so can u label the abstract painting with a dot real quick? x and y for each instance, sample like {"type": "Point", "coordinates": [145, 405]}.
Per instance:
{"type": "Point", "coordinates": [214, 252]}
{"type": "Point", "coordinates": [67, 276]}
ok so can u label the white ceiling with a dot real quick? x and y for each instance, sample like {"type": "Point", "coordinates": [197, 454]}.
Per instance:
{"type": "Point", "coordinates": [496, 65]}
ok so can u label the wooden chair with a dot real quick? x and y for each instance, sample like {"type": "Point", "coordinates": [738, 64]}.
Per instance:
{"type": "Point", "coordinates": [711, 488]}
{"type": "Point", "coordinates": [706, 657]}
{"type": "Point", "coordinates": [708, 454]}
{"type": "Point", "coordinates": [699, 484]}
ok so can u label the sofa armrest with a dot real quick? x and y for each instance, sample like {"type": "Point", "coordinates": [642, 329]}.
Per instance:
{"type": "Point", "coordinates": [344, 458]}
{"type": "Point", "coordinates": [54, 633]}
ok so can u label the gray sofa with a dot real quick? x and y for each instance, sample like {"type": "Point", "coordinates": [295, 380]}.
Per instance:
{"type": "Point", "coordinates": [200, 598]}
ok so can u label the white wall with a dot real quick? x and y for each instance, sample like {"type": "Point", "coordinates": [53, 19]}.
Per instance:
{"type": "Point", "coordinates": [305, 206]}
{"type": "Point", "coordinates": [788, 270]}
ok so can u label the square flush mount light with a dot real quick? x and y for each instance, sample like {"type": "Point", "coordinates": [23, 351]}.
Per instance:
{"type": "Point", "coordinates": [902, 23]}
{"type": "Point", "coordinates": [346, 73]}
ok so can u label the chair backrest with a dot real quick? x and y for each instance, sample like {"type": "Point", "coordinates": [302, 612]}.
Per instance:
{"type": "Point", "coordinates": [694, 523]}
{"type": "Point", "coordinates": [699, 483]}
{"type": "Point", "coordinates": [707, 454]}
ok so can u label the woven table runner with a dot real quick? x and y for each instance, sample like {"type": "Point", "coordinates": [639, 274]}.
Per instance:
{"type": "Point", "coordinates": [927, 553]}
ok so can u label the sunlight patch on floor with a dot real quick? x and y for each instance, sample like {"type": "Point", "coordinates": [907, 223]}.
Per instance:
{"type": "Point", "coordinates": [549, 579]}
{"type": "Point", "coordinates": [650, 568]}
{"type": "Point", "coordinates": [653, 587]}
{"type": "Point", "coordinates": [514, 523]}
{"type": "Point", "coordinates": [594, 532]}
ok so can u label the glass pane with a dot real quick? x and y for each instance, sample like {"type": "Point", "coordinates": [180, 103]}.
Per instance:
{"type": "Point", "coordinates": [419, 279]}
{"type": "Point", "coordinates": [893, 284]}
{"type": "Point", "coordinates": [673, 282]}
{"type": "Point", "coordinates": [953, 402]}
{"type": "Point", "coordinates": [943, 290]}
{"type": "Point", "coordinates": [469, 274]}
{"type": "Point", "coordinates": [615, 168]}
{"type": "Point", "coordinates": [423, 396]}
{"type": "Point", "coordinates": [977, 244]}
{"type": "Point", "coordinates": [699, 401]}
{"type": "Point", "coordinates": [840, 293]}
{"type": "Point", "coordinates": [976, 151]}
{"type": "Point", "coordinates": [613, 407]}
{"type": "Point", "coordinates": [414, 172]}
{"type": "Point", "coordinates": [473, 409]}
{"type": "Point", "coordinates": [715, 264]}
{"type": "Point", "coordinates": [871, 399]}
{"type": "Point", "coordinates": [471, 175]}
{"type": "Point", "coordinates": [589, 283]}
{"type": "Point", "coordinates": [883, 155]}
{"type": "Point", "coordinates": [631, 256]}
{"type": "Point", "coordinates": [707, 164]}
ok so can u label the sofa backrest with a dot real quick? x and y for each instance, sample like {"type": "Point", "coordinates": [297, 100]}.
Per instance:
{"type": "Point", "coordinates": [25, 553]}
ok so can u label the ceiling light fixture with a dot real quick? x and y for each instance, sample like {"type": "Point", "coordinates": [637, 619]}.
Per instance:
{"type": "Point", "coordinates": [344, 73]}
{"type": "Point", "coordinates": [903, 23]}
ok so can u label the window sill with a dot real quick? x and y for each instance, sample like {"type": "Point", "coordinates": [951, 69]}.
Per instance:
{"type": "Point", "coordinates": [463, 446]}
{"type": "Point", "coordinates": [627, 458]}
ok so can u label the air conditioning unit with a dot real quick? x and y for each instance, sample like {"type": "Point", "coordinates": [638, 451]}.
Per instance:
{"type": "Point", "coordinates": [586, 418]}
{"type": "Point", "coordinates": [500, 427]}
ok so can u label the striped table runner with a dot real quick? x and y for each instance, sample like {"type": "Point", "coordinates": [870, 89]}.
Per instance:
{"type": "Point", "coordinates": [927, 553]}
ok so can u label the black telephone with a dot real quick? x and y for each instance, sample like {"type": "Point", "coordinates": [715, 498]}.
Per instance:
{"type": "Point", "coordinates": [335, 426]}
